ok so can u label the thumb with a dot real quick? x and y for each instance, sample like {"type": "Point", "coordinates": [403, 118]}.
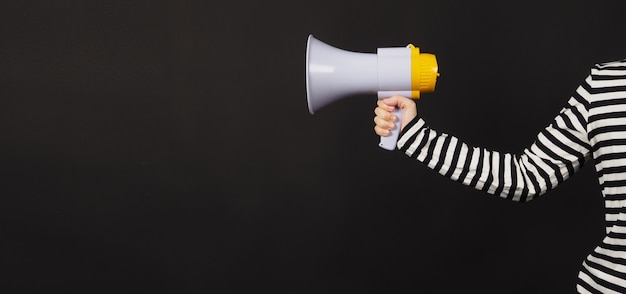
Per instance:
{"type": "Point", "coordinates": [389, 103]}
{"type": "Point", "coordinates": [404, 103]}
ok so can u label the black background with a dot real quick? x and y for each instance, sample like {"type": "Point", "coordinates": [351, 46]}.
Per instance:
{"type": "Point", "coordinates": [166, 147]}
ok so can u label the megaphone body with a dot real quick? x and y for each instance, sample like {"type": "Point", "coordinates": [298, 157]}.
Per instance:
{"type": "Point", "coordinates": [333, 74]}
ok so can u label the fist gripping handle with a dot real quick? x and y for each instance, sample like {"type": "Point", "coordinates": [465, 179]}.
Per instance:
{"type": "Point", "coordinates": [389, 142]}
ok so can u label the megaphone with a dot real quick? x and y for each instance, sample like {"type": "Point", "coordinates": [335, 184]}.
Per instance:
{"type": "Point", "coordinates": [333, 74]}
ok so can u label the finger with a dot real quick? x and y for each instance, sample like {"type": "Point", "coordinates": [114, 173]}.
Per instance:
{"type": "Point", "coordinates": [384, 114]}
{"type": "Point", "coordinates": [384, 124]}
{"type": "Point", "coordinates": [381, 132]}
{"type": "Point", "coordinates": [382, 103]}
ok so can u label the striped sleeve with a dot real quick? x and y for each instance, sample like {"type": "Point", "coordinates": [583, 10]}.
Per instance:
{"type": "Point", "coordinates": [558, 151]}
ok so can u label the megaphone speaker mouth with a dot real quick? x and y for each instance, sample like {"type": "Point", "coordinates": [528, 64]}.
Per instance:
{"type": "Point", "coordinates": [308, 83]}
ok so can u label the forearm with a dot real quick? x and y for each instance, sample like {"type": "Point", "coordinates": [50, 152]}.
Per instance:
{"type": "Point", "coordinates": [517, 177]}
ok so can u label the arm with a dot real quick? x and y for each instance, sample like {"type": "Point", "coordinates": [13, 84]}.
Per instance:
{"type": "Point", "coordinates": [557, 153]}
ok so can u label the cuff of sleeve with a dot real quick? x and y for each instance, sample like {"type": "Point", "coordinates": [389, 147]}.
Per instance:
{"type": "Point", "coordinates": [410, 125]}
{"type": "Point", "coordinates": [409, 133]}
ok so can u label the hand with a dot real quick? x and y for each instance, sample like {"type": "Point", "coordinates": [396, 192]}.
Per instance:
{"type": "Point", "coordinates": [385, 120]}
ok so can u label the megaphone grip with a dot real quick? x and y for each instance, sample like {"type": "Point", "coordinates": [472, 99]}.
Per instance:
{"type": "Point", "coordinates": [389, 142]}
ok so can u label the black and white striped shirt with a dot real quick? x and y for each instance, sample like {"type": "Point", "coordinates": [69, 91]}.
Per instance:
{"type": "Point", "coordinates": [591, 125]}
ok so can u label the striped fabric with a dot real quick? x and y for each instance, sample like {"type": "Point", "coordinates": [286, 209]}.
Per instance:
{"type": "Point", "coordinates": [591, 126]}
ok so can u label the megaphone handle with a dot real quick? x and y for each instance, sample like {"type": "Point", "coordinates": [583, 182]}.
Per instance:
{"type": "Point", "coordinates": [389, 142]}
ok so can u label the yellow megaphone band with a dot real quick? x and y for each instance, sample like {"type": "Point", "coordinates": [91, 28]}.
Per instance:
{"type": "Point", "coordinates": [424, 72]}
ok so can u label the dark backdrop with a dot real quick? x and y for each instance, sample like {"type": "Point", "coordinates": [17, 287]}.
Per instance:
{"type": "Point", "coordinates": [166, 147]}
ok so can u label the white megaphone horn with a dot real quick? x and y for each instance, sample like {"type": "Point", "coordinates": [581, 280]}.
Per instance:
{"type": "Point", "coordinates": [333, 74]}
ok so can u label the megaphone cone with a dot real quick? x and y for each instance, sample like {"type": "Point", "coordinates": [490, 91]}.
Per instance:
{"type": "Point", "coordinates": [332, 74]}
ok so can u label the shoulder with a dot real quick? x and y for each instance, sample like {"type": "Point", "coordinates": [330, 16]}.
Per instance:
{"type": "Point", "coordinates": [608, 71]}
{"type": "Point", "coordinates": [611, 65]}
